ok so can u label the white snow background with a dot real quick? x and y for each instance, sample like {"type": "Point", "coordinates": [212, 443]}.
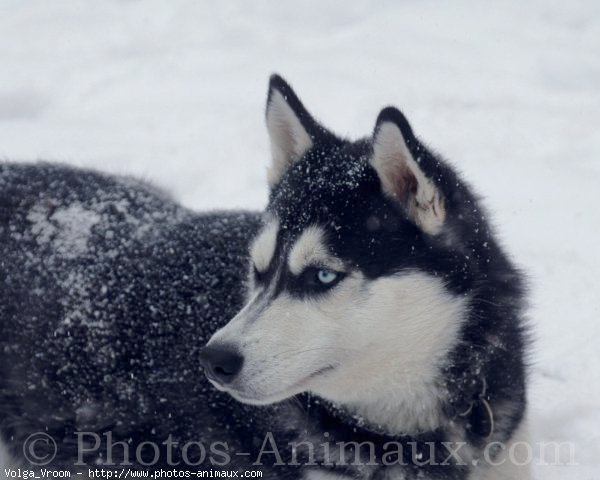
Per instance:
{"type": "Point", "coordinates": [509, 91]}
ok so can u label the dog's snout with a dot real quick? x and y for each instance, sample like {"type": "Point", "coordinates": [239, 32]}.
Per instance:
{"type": "Point", "coordinates": [221, 363]}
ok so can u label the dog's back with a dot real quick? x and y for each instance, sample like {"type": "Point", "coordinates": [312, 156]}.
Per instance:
{"type": "Point", "coordinates": [109, 288]}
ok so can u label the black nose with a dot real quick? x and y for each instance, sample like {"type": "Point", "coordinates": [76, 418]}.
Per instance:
{"type": "Point", "coordinates": [221, 363]}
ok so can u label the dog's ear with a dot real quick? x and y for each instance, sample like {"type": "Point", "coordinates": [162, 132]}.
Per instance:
{"type": "Point", "coordinates": [401, 177]}
{"type": "Point", "coordinates": [291, 128]}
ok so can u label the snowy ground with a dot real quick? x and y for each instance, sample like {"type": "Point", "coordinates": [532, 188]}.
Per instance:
{"type": "Point", "coordinates": [510, 91]}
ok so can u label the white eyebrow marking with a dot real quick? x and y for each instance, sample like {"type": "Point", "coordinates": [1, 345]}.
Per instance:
{"type": "Point", "coordinates": [310, 248]}
{"type": "Point", "coordinates": [263, 246]}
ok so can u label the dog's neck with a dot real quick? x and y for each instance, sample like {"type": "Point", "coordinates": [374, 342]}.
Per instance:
{"type": "Point", "coordinates": [409, 414]}
{"type": "Point", "coordinates": [410, 410]}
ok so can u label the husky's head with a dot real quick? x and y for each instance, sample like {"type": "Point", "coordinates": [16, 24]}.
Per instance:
{"type": "Point", "coordinates": [357, 283]}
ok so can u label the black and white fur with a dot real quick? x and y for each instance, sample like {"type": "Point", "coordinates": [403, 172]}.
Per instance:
{"type": "Point", "coordinates": [379, 309]}
{"type": "Point", "coordinates": [378, 286]}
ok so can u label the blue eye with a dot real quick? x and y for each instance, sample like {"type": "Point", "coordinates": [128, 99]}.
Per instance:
{"type": "Point", "coordinates": [316, 280]}
{"type": "Point", "coordinates": [327, 276]}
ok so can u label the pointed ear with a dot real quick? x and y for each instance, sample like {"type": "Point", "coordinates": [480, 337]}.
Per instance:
{"type": "Point", "coordinates": [400, 174]}
{"type": "Point", "coordinates": [291, 128]}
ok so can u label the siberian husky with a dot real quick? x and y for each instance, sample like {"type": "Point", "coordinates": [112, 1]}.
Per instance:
{"type": "Point", "coordinates": [377, 285]}
{"type": "Point", "coordinates": [381, 335]}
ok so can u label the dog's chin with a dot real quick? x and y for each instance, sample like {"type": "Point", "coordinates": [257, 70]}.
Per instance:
{"type": "Point", "coordinates": [253, 399]}
{"type": "Point", "coordinates": [270, 398]}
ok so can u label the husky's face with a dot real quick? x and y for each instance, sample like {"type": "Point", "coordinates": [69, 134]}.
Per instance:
{"type": "Point", "coordinates": [349, 291]}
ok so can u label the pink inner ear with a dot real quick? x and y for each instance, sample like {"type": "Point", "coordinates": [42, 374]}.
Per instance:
{"type": "Point", "coordinates": [404, 183]}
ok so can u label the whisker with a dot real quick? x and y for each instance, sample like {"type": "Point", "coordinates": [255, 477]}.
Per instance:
{"type": "Point", "coordinates": [295, 352]}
